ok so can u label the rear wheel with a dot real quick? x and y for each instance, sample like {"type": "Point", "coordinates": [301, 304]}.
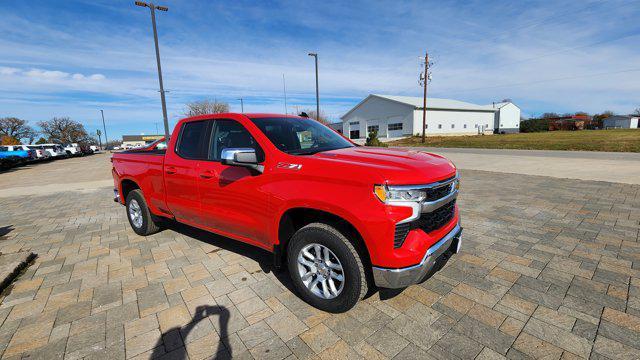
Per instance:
{"type": "Point", "coordinates": [140, 218]}
{"type": "Point", "coordinates": [325, 268]}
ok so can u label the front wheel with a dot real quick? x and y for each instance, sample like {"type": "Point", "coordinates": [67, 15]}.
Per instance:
{"type": "Point", "coordinates": [140, 218]}
{"type": "Point", "coordinates": [325, 268]}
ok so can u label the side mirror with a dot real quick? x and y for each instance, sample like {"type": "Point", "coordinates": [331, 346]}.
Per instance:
{"type": "Point", "coordinates": [244, 157]}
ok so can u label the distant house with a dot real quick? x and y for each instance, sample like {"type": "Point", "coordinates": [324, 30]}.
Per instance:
{"type": "Point", "coordinates": [398, 116]}
{"type": "Point", "coordinates": [569, 122]}
{"type": "Point", "coordinates": [621, 122]}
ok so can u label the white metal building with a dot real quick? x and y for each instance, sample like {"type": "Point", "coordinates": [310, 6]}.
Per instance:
{"type": "Point", "coordinates": [398, 116]}
{"type": "Point", "coordinates": [621, 122]}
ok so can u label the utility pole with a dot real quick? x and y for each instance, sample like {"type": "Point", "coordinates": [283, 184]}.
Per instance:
{"type": "Point", "coordinates": [284, 87]}
{"type": "Point", "coordinates": [315, 56]}
{"type": "Point", "coordinates": [153, 9]}
{"type": "Point", "coordinates": [425, 79]}
{"type": "Point", "coordinates": [106, 140]}
{"type": "Point", "coordinates": [98, 133]}
{"type": "Point", "coordinates": [241, 105]}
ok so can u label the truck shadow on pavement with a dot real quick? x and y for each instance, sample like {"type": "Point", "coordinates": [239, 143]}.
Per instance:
{"type": "Point", "coordinates": [4, 230]}
{"type": "Point", "coordinates": [260, 256]}
{"type": "Point", "coordinates": [175, 349]}
{"type": "Point", "coordinates": [265, 258]}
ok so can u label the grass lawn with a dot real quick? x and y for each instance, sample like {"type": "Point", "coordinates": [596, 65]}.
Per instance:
{"type": "Point", "coordinates": [627, 140]}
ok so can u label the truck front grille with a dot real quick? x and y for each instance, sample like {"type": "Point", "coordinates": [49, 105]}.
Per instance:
{"type": "Point", "coordinates": [429, 222]}
{"type": "Point", "coordinates": [401, 233]}
{"type": "Point", "coordinates": [437, 193]}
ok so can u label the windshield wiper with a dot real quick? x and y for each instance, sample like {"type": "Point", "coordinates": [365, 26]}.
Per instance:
{"type": "Point", "coordinates": [300, 152]}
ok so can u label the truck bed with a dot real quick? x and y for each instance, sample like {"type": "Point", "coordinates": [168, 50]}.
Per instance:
{"type": "Point", "coordinates": [144, 168]}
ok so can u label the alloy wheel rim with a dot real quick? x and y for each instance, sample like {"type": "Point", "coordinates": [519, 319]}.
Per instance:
{"type": "Point", "coordinates": [135, 213]}
{"type": "Point", "coordinates": [321, 271]}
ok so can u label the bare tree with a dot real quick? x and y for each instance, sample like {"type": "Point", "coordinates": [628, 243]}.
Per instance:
{"type": "Point", "coordinates": [312, 114]}
{"type": "Point", "coordinates": [64, 130]}
{"type": "Point", "coordinates": [549, 115]}
{"type": "Point", "coordinates": [207, 106]}
{"type": "Point", "coordinates": [17, 129]}
{"type": "Point", "coordinates": [636, 111]}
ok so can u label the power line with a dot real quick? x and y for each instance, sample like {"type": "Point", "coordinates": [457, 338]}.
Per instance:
{"type": "Point", "coordinates": [572, 11]}
{"type": "Point", "coordinates": [550, 80]}
{"type": "Point", "coordinates": [568, 49]}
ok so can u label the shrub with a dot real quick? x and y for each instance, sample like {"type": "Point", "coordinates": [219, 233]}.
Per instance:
{"type": "Point", "coordinates": [372, 140]}
{"type": "Point", "coordinates": [534, 125]}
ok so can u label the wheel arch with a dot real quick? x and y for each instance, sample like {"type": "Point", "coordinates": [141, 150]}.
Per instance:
{"type": "Point", "coordinates": [295, 218]}
{"type": "Point", "coordinates": [126, 186]}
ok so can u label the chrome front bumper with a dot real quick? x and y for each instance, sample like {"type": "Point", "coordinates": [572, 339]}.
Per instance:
{"type": "Point", "coordinates": [403, 277]}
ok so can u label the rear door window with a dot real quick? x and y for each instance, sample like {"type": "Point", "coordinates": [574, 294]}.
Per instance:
{"type": "Point", "coordinates": [191, 144]}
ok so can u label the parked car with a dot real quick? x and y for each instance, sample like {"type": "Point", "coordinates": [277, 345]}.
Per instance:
{"type": "Point", "coordinates": [86, 150]}
{"type": "Point", "coordinates": [41, 153]}
{"type": "Point", "coordinates": [22, 151]}
{"type": "Point", "coordinates": [55, 150]}
{"type": "Point", "coordinates": [341, 217]}
{"type": "Point", "coordinates": [94, 148]}
{"type": "Point", "coordinates": [73, 149]}
{"type": "Point", "coordinates": [11, 155]}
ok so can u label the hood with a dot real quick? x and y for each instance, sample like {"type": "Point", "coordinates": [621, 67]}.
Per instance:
{"type": "Point", "coordinates": [396, 166]}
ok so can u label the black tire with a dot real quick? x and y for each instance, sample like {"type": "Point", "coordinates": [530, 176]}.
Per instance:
{"type": "Point", "coordinates": [148, 224]}
{"type": "Point", "coordinates": [355, 281]}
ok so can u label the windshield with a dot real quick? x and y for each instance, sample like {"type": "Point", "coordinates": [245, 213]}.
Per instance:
{"type": "Point", "coordinates": [300, 136]}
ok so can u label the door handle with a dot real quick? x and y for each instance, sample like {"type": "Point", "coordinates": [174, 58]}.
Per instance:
{"type": "Point", "coordinates": [170, 170]}
{"type": "Point", "coordinates": [207, 174]}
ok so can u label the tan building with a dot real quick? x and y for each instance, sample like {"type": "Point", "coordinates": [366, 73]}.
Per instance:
{"type": "Point", "coordinates": [132, 141]}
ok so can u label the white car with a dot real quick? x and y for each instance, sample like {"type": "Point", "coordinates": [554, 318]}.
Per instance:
{"type": "Point", "coordinates": [41, 152]}
{"type": "Point", "coordinates": [55, 150]}
{"type": "Point", "coordinates": [73, 149]}
{"type": "Point", "coordinates": [94, 148]}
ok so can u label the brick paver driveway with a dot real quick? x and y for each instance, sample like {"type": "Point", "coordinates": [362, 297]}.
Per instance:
{"type": "Point", "coordinates": [550, 268]}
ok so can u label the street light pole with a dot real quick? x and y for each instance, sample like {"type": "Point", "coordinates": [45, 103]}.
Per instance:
{"type": "Point", "coordinates": [241, 105]}
{"type": "Point", "coordinates": [315, 56]}
{"type": "Point", "coordinates": [153, 9]}
{"type": "Point", "coordinates": [106, 140]}
{"type": "Point", "coordinates": [284, 87]}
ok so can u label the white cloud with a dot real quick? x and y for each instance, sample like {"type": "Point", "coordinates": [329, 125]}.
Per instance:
{"type": "Point", "coordinates": [46, 74]}
{"type": "Point", "coordinates": [54, 78]}
{"type": "Point", "coordinates": [8, 70]}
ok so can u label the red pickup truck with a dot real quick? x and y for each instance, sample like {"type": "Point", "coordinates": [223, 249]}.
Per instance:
{"type": "Point", "coordinates": [342, 217]}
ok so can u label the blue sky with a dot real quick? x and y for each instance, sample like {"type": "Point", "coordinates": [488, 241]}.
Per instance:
{"type": "Point", "coordinates": [72, 58]}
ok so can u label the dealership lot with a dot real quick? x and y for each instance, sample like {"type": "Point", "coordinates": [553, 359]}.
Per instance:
{"type": "Point", "coordinates": [550, 268]}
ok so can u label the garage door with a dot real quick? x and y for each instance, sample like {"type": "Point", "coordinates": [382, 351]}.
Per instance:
{"type": "Point", "coordinates": [377, 126]}
{"type": "Point", "coordinates": [395, 128]}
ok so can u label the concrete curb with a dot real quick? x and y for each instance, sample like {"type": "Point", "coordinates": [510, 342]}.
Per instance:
{"type": "Point", "coordinates": [11, 275]}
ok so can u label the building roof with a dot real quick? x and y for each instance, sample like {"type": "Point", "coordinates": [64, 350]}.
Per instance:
{"type": "Point", "coordinates": [621, 117]}
{"type": "Point", "coordinates": [141, 137]}
{"type": "Point", "coordinates": [433, 103]}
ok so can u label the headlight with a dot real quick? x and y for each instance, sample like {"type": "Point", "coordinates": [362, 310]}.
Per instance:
{"type": "Point", "coordinates": [390, 194]}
